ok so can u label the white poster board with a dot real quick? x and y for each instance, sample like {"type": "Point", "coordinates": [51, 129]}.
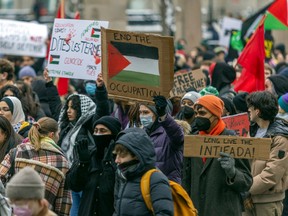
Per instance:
{"type": "Point", "coordinates": [228, 24]}
{"type": "Point", "coordinates": [23, 38]}
{"type": "Point", "coordinates": [75, 49]}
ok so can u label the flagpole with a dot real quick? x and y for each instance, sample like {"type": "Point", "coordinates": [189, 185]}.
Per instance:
{"type": "Point", "coordinates": [62, 2]}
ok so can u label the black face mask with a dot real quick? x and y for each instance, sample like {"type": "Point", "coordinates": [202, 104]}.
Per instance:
{"type": "Point", "coordinates": [102, 142]}
{"type": "Point", "coordinates": [188, 112]}
{"type": "Point", "coordinates": [203, 124]}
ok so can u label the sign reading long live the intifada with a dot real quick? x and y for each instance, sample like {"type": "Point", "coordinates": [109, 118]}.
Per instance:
{"type": "Point", "coordinates": [237, 147]}
{"type": "Point", "coordinates": [137, 66]}
{"type": "Point", "coordinates": [23, 38]}
{"type": "Point", "coordinates": [75, 49]}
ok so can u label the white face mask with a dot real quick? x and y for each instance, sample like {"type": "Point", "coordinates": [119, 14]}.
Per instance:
{"type": "Point", "coordinates": [146, 120]}
{"type": "Point", "coordinates": [21, 210]}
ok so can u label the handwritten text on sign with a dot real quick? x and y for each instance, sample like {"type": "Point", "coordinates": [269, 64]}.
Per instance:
{"type": "Point", "coordinates": [75, 49]}
{"type": "Point", "coordinates": [23, 38]}
{"type": "Point", "coordinates": [239, 123]}
{"type": "Point", "coordinates": [237, 147]}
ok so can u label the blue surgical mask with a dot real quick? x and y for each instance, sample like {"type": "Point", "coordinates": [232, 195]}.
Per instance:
{"type": "Point", "coordinates": [146, 120]}
{"type": "Point", "coordinates": [90, 88]}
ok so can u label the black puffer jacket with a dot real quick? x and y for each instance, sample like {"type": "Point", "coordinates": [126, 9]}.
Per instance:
{"type": "Point", "coordinates": [128, 197]}
{"type": "Point", "coordinates": [96, 181]}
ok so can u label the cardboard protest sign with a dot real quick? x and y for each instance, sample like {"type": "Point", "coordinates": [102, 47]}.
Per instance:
{"type": "Point", "coordinates": [184, 80]}
{"type": "Point", "coordinates": [239, 123]}
{"type": "Point", "coordinates": [137, 66]}
{"type": "Point", "coordinates": [75, 49]}
{"type": "Point", "coordinates": [23, 38]}
{"type": "Point", "coordinates": [237, 147]}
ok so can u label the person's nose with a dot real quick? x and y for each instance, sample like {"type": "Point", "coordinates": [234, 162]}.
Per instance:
{"type": "Point", "coordinates": [117, 160]}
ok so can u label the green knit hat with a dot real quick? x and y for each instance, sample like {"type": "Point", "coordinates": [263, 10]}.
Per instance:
{"type": "Point", "coordinates": [209, 90]}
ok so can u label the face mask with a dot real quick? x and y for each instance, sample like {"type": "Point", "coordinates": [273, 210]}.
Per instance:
{"type": "Point", "coordinates": [188, 112]}
{"type": "Point", "coordinates": [146, 120]}
{"type": "Point", "coordinates": [22, 211]}
{"type": "Point", "coordinates": [102, 142]}
{"type": "Point", "coordinates": [203, 124]}
{"type": "Point", "coordinates": [90, 88]}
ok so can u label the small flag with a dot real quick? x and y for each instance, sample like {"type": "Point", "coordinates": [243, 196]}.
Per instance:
{"type": "Point", "coordinates": [95, 33]}
{"type": "Point", "coordinates": [135, 63]}
{"type": "Point", "coordinates": [54, 59]}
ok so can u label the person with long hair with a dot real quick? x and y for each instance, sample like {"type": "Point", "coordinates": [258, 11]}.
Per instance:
{"type": "Point", "coordinates": [8, 138]}
{"type": "Point", "coordinates": [43, 154]}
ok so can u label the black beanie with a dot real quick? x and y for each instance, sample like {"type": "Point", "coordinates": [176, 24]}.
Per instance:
{"type": "Point", "coordinates": [228, 104]}
{"type": "Point", "coordinates": [110, 122]}
{"type": "Point", "coordinates": [240, 102]}
{"type": "Point", "coordinates": [279, 83]}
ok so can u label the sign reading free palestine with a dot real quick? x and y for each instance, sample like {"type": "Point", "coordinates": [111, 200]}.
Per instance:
{"type": "Point", "coordinates": [75, 49]}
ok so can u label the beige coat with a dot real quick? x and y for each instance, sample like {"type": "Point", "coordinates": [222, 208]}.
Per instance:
{"type": "Point", "coordinates": [270, 177]}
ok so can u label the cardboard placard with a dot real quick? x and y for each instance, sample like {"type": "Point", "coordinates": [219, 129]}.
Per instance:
{"type": "Point", "coordinates": [237, 147]}
{"type": "Point", "coordinates": [239, 123]}
{"type": "Point", "coordinates": [23, 38]}
{"type": "Point", "coordinates": [184, 80]}
{"type": "Point", "coordinates": [75, 49]}
{"type": "Point", "coordinates": [137, 66]}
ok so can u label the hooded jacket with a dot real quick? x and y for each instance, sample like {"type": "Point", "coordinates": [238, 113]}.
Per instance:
{"type": "Point", "coordinates": [270, 177]}
{"type": "Point", "coordinates": [128, 197]}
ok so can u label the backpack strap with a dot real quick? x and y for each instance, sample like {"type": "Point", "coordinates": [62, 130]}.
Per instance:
{"type": "Point", "coordinates": [145, 188]}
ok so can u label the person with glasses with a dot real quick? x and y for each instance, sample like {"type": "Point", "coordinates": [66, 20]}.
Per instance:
{"type": "Point", "coordinates": [94, 173]}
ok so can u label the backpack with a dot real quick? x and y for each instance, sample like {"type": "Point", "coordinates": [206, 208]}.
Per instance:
{"type": "Point", "coordinates": [183, 205]}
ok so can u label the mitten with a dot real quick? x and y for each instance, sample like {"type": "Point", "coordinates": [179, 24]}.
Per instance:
{"type": "Point", "coordinates": [83, 151]}
{"type": "Point", "coordinates": [160, 105]}
{"type": "Point", "coordinates": [228, 164]}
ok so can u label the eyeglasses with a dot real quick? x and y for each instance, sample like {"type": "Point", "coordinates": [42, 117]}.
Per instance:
{"type": "Point", "coordinates": [5, 109]}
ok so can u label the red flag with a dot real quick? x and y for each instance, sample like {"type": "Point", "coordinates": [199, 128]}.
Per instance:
{"type": "Point", "coordinates": [280, 10]}
{"type": "Point", "coordinates": [252, 60]}
{"type": "Point", "coordinates": [77, 15]}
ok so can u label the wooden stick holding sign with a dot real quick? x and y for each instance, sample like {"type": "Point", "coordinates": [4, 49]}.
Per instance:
{"type": "Point", "coordinates": [237, 147]}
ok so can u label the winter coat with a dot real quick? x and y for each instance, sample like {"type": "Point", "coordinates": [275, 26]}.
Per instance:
{"type": "Point", "coordinates": [52, 166]}
{"type": "Point", "coordinates": [270, 177]}
{"type": "Point", "coordinates": [96, 180]}
{"type": "Point", "coordinates": [168, 139]}
{"type": "Point", "coordinates": [210, 190]}
{"type": "Point", "coordinates": [128, 197]}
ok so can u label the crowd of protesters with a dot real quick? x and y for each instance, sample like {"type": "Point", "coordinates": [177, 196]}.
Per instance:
{"type": "Point", "coordinates": [90, 151]}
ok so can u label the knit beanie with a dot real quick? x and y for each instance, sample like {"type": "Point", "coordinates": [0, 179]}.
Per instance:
{"type": "Point", "coordinates": [26, 184]}
{"type": "Point", "coordinates": [192, 96]}
{"type": "Point", "coordinates": [209, 90]}
{"type": "Point", "coordinates": [212, 103]}
{"type": "Point", "coordinates": [228, 104]}
{"type": "Point", "coordinates": [27, 71]}
{"type": "Point", "coordinates": [279, 84]}
{"type": "Point", "coordinates": [283, 102]}
{"type": "Point", "coordinates": [110, 122]}
{"type": "Point", "coordinates": [239, 102]}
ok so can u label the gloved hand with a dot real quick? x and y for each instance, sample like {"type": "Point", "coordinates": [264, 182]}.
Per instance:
{"type": "Point", "coordinates": [160, 104]}
{"type": "Point", "coordinates": [228, 164]}
{"type": "Point", "coordinates": [83, 151]}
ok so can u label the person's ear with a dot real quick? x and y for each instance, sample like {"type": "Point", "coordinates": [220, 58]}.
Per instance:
{"type": "Point", "coordinates": [51, 135]}
{"type": "Point", "coordinates": [4, 75]}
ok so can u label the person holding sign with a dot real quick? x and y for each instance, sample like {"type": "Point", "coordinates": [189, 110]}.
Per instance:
{"type": "Point", "coordinates": [216, 184]}
{"type": "Point", "coordinates": [269, 177]}
{"type": "Point", "coordinates": [167, 136]}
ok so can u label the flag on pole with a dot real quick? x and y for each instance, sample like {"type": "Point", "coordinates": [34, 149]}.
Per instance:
{"type": "Point", "coordinates": [280, 10]}
{"type": "Point", "coordinates": [252, 60]}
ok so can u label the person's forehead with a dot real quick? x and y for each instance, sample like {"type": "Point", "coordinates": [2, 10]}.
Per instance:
{"type": "Point", "coordinates": [3, 103]}
{"type": "Point", "coordinates": [143, 107]}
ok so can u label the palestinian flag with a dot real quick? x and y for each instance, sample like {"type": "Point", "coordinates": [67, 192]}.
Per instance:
{"type": "Point", "coordinates": [95, 33]}
{"type": "Point", "coordinates": [134, 63]}
{"type": "Point", "coordinates": [54, 59]}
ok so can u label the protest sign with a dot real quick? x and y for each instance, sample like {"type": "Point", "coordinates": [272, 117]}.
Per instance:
{"type": "Point", "coordinates": [228, 24]}
{"type": "Point", "coordinates": [237, 147]}
{"type": "Point", "coordinates": [75, 49]}
{"type": "Point", "coordinates": [23, 38]}
{"type": "Point", "coordinates": [137, 66]}
{"type": "Point", "coordinates": [239, 123]}
{"type": "Point", "coordinates": [184, 80]}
